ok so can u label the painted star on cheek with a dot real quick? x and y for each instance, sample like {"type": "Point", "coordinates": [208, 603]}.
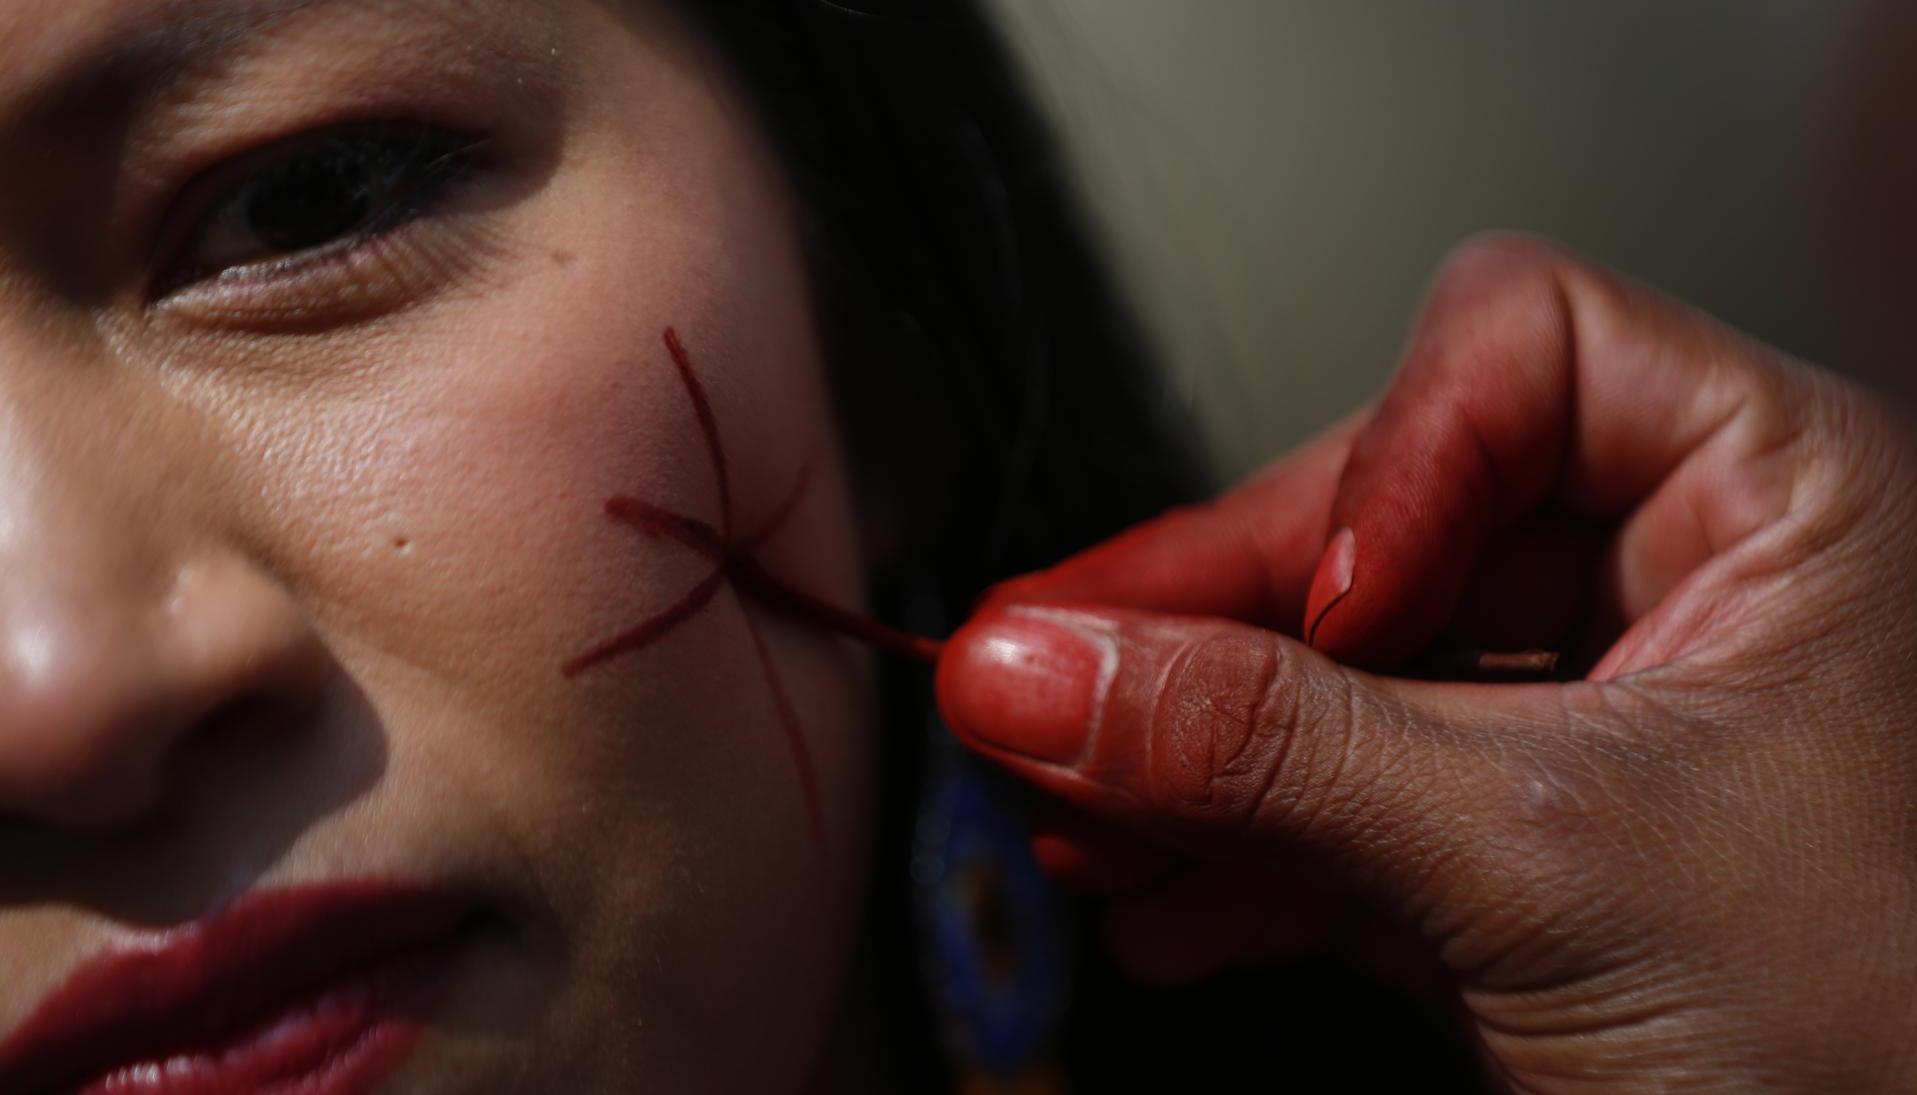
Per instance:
{"type": "Point", "coordinates": [732, 563]}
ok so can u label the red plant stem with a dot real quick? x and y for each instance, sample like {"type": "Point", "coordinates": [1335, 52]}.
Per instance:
{"type": "Point", "coordinates": [708, 425]}
{"type": "Point", "coordinates": [755, 581]}
{"type": "Point", "coordinates": [752, 579]}
{"type": "Point", "coordinates": [734, 562]}
{"type": "Point", "coordinates": [780, 517]}
{"type": "Point", "coordinates": [653, 521]}
{"type": "Point", "coordinates": [651, 631]}
{"type": "Point", "coordinates": [794, 733]}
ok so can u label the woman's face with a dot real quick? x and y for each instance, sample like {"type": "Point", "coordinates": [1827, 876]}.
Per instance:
{"type": "Point", "coordinates": [329, 329]}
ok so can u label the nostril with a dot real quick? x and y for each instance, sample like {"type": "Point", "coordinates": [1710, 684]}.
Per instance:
{"type": "Point", "coordinates": [95, 802]}
{"type": "Point", "coordinates": [71, 789]}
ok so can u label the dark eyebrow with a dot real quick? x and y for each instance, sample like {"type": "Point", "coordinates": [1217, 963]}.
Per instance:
{"type": "Point", "coordinates": [190, 36]}
{"type": "Point", "coordinates": [170, 41]}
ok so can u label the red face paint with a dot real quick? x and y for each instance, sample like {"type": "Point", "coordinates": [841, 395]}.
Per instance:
{"type": "Point", "coordinates": [733, 562]}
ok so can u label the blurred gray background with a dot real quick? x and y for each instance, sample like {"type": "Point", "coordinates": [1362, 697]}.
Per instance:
{"type": "Point", "coordinates": [1280, 177]}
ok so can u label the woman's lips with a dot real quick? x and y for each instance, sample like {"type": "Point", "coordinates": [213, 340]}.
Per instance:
{"type": "Point", "coordinates": [322, 988]}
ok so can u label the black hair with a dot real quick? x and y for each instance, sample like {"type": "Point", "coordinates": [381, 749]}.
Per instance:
{"type": "Point", "coordinates": [1001, 411]}
{"type": "Point", "coordinates": [997, 403]}
{"type": "Point", "coordinates": [998, 400]}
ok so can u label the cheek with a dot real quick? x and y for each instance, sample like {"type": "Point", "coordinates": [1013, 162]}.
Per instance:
{"type": "Point", "coordinates": [444, 516]}
{"type": "Point", "coordinates": [489, 558]}
{"type": "Point", "coordinates": [455, 545]}
{"type": "Point", "coordinates": [470, 537]}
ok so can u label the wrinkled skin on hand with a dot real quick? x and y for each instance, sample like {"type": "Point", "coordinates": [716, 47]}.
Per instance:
{"type": "Point", "coordinates": [1693, 867]}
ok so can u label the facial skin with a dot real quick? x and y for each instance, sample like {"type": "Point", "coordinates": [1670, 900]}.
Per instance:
{"type": "Point", "coordinates": [290, 559]}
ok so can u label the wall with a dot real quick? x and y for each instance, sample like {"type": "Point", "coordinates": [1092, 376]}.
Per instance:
{"type": "Point", "coordinates": [1279, 177]}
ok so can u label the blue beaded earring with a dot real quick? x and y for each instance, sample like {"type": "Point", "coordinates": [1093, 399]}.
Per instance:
{"type": "Point", "coordinates": [995, 934]}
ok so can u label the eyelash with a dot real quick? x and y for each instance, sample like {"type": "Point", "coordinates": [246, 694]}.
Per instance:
{"type": "Point", "coordinates": [406, 171]}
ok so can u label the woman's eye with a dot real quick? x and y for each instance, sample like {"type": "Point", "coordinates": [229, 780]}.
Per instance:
{"type": "Point", "coordinates": [317, 195]}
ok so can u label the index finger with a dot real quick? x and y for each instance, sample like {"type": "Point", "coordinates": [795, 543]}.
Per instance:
{"type": "Point", "coordinates": [1534, 378]}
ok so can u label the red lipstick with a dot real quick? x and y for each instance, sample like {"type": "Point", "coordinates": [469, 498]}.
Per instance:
{"type": "Point", "coordinates": [319, 989]}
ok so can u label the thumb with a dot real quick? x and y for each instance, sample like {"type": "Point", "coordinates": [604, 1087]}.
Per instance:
{"type": "Point", "coordinates": [1221, 738]}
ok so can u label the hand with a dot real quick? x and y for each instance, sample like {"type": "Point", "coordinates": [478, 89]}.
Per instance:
{"type": "Point", "coordinates": [1695, 866]}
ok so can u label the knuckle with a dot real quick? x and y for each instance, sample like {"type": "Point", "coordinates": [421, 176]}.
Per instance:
{"type": "Point", "coordinates": [1222, 718]}
{"type": "Point", "coordinates": [1348, 767]}
{"type": "Point", "coordinates": [1858, 465]}
{"type": "Point", "coordinates": [1509, 297]}
{"type": "Point", "coordinates": [1243, 737]}
{"type": "Point", "coordinates": [1503, 246]}
{"type": "Point", "coordinates": [1500, 263]}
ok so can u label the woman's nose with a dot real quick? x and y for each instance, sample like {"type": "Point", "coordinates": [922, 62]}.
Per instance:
{"type": "Point", "coordinates": [117, 644]}
{"type": "Point", "coordinates": [97, 692]}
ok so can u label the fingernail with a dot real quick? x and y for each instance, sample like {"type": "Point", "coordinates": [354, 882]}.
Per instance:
{"type": "Point", "coordinates": [1028, 681]}
{"type": "Point", "coordinates": [1335, 573]}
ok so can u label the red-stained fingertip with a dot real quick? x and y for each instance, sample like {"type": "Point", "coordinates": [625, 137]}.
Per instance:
{"type": "Point", "coordinates": [1332, 583]}
{"type": "Point", "coordinates": [1025, 681]}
